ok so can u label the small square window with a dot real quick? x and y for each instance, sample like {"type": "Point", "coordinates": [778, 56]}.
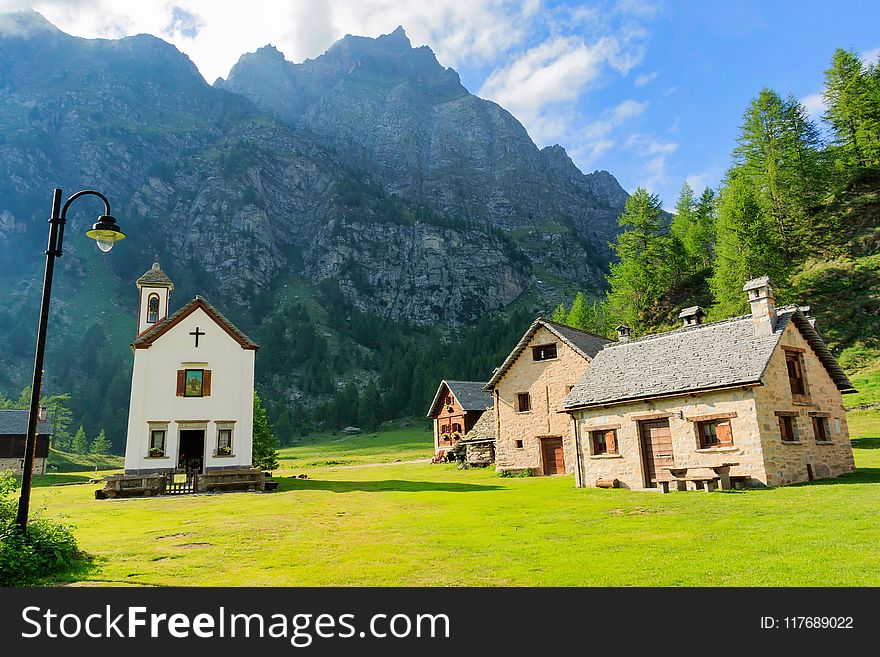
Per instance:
{"type": "Point", "coordinates": [544, 352]}
{"type": "Point", "coordinates": [820, 429]}
{"type": "Point", "coordinates": [786, 429]}
{"type": "Point", "coordinates": [523, 402]}
{"type": "Point", "coordinates": [714, 433]}
{"type": "Point", "coordinates": [518, 444]}
{"type": "Point", "coordinates": [604, 441]}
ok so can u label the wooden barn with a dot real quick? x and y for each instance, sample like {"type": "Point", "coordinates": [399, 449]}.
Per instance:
{"type": "Point", "coordinates": [455, 410]}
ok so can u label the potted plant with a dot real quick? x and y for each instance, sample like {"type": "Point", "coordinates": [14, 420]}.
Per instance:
{"type": "Point", "coordinates": [155, 452]}
{"type": "Point", "coordinates": [224, 451]}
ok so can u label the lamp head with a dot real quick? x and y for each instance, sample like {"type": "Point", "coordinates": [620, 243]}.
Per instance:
{"type": "Point", "coordinates": [105, 232]}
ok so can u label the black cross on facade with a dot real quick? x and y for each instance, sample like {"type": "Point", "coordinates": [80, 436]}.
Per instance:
{"type": "Point", "coordinates": [197, 333]}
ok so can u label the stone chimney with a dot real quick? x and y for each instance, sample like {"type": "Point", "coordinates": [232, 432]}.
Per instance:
{"type": "Point", "coordinates": [622, 333]}
{"type": "Point", "coordinates": [44, 413]}
{"type": "Point", "coordinates": [760, 291]}
{"type": "Point", "coordinates": [691, 316]}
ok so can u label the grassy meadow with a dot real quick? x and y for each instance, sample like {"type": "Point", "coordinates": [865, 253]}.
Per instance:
{"type": "Point", "coordinates": [420, 524]}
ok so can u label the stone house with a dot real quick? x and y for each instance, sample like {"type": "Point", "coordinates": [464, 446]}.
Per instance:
{"type": "Point", "coordinates": [759, 395]}
{"type": "Point", "coordinates": [528, 390]}
{"type": "Point", "coordinates": [455, 410]}
{"type": "Point", "coordinates": [13, 432]}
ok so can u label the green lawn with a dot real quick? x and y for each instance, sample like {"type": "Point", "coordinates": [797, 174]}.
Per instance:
{"type": "Point", "coordinates": [422, 524]}
{"type": "Point", "coordinates": [867, 382]}
{"type": "Point", "coordinates": [321, 450]}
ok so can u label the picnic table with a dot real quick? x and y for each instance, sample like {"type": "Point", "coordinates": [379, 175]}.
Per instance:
{"type": "Point", "coordinates": [720, 477]}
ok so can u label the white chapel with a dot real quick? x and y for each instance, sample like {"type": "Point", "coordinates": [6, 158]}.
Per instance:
{"type": "Point", "coordinates": [191, 387]}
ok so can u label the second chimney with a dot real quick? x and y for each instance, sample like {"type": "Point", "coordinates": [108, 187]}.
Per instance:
{"type": "Point", "coordinates": [760, 291]}
{"type": "Point", "coordinates": [691, 316]}
{"type": "Point", "coordinates": [622, 333]}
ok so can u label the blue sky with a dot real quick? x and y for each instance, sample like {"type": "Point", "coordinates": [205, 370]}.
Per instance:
{"type": "Point", "coordinates": [651, 90]}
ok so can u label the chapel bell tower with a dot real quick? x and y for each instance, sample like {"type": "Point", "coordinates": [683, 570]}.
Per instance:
{"type": "Point", "coordinates": [155, 289]}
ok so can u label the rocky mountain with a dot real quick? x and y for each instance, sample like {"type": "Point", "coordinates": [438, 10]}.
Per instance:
{"type": "Point", "coordinates": [367, 181]}
{"type": "Point", "coordinates": [395, 109]}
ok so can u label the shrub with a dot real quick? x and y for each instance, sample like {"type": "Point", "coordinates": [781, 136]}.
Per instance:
{"type": "Point", "coordinates": [47, 548]}
{"type": "Point", "coordinates": [527, 472]}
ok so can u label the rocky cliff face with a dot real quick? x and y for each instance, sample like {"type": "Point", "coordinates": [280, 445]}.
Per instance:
{"type": "Point", "coordinates": [394, 108]}
{"type": "Point", "coordinates": [227, 187]}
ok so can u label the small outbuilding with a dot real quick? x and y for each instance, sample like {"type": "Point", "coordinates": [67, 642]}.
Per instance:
{"type": "Point", "coordinates": [456, 408]}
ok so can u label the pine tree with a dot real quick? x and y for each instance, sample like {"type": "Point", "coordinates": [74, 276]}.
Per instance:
{"type": "Point", "coordinates": [101, 445]}
{"type": "Point", "coordinates": [643, 274]}
{"type": "Point", "coordinates": [560, 315]}
{"type": "Point", "coordinates": [852, 94]}
{"type": "Point", "coordinates": [80, 444]}
{"type": "Point", "coordinates": [683, 224]}
{"type": "Point", "coordinates": [60, 417]}
{"type": "Point", "coordinates": [745, 246]}
{"type": "Point", "coordinates": [579, 315]}
{"type": "Point", "coordinates": [265, 446]}
{"type": "Point", "coordinates": [701, 241]}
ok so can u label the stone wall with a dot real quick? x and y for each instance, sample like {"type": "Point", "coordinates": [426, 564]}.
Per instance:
{"type": "Point", "coordinates": [548, 383]}
{"type": "Point", "coordinates": [15, 465]}
{"type": "Point", "coordinates": [480, 453]}
{"type": "Point", "coordinates": [681, 411]}
{"type": "Point", "coordinates": [786, 462]}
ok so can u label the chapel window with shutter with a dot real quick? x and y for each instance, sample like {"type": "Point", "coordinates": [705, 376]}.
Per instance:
{"type": "Point", "coordinates": [523, 402]}
{"type": "Point", "coordinates": [714, 433]}
{"type": "Point", "coordinates": [820, 429]}
{"type": "Point", "coordinates": [603, 441]}
{"type": "Point", "coordinates": [193, 383]}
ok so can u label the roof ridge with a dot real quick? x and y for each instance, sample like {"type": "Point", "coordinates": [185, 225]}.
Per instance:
{"type": "Point", "coordinates": [677, 331]}
{"type": "Point", "coordinates": [573, 328]}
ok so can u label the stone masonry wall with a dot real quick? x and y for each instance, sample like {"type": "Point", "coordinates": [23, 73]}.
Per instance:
{"type": "Point", "coordinates": [786, 463]}
{"type": "Point", "coordinates": [15, 465]}
{"type": "Point", "coordinates": [626, 465]}
{"type": "Point", "coordinates": [548, 383]}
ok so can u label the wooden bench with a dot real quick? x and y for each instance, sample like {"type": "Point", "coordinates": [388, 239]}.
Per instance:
{"type": "Point", "coordinates": [679, 474]}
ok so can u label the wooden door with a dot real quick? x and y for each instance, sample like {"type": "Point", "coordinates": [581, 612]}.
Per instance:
{"type": "Point", "coordinates": [553, 456]}
{"type": "Point", "coordinates": [656, 450]}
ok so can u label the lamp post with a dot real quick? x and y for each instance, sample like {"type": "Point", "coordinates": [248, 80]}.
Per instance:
{"type": "Point", "coordinates": [106, 233]}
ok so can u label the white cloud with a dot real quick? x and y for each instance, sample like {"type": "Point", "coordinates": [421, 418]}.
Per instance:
{"type": "Point", "coordinates": [645, 79]}
{"type": "Point", "coordinates": [814, 104]}
{"type": "Point", "coordinates": [700, 181]}
{"type": "Point", "coordinates": [477, 30]}
{"type": "Point", "coordinates": [870, 57]}
{"type": "Point", "coordinates": [554, 71]}
{"type": "Point", "coordinates": [588, 143]}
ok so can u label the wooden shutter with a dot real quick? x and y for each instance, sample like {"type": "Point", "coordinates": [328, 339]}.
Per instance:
{"type": "Point", "coordinates": [611, 441]}
{"type": "Point", "coordinates": [181, 382]}
{"type": "Point", "coordinates": [206, 383]}
{"type": "Point", "coordinates": [724, 433]}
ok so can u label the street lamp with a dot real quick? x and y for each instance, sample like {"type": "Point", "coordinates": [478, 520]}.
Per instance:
{"type": "Point", "coordinates": [106, 233]}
